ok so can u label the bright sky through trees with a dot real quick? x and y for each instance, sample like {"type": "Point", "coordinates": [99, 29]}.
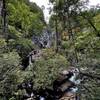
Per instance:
{"type": "Point", "coordinates": [46, 4]}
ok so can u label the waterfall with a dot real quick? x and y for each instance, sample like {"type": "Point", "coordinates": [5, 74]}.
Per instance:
{"type": "Point", "coordinates": [44, 40]}
{"type": "Point", "coordinates": [42, 98]}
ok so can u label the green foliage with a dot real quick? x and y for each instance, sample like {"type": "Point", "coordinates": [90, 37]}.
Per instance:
{"type": "Point", "coordinates": [9, 64]}
{"type": "Point", "coordinates": [23, 17]}
{"type": "Point", "coordinates": [13, 33]}
{"type": "Point", "coordinates": [26, 19]}
{"type": "Point", "coordinates": [83, 29]}
{"type": "Point", "coordinates": [43, 72]}
{"type": "Point", "coordinates": [83, 40]}
{"type": "Point", "coordinates": [97, 21]}
{"type": "Point", "coordinates": [22, 45]}
{"type": "Point", "coordinates": [48, 53]}
{"type": "Point", "coordinates": [3, 45]}
{"type": "Point", "coordinates": [65, 45]}
{"type": "Point", "coordinates": [47, 69]}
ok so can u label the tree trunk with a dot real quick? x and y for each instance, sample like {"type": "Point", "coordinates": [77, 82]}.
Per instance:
{"type": "Point", "coordinates": [1, 6]}
{"type": "Point", "coordinates": [74, 56]}
{"type": "Point", "coordinates": [56, 30]}
{"type": "Point", "coordinates": [4, 16]}
{"type": "Point", "coordinates": [56, 35]}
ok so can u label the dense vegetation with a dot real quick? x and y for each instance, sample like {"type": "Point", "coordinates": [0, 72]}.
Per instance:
{"type": "Point", "coordinates": [78, 31]}
{"type": "Point", "coordinates": [76, 43]}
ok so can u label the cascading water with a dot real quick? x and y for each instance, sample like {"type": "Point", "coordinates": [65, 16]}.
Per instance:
{"type": "Point", "coordinates": [44, 40]}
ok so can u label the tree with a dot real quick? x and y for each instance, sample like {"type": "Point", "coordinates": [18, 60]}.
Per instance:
{"type": "Point", "coordinates": [68, 10]}
{"type": "Point", "coordinates": [83, 32]}
{"type": "Point", "coordinates": [9, 63]}
{"type": "Point", "coordinates": [26, 17]}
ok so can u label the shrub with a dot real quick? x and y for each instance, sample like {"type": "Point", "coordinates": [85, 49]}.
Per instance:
{"type": "Point", "coordinates": [8, 78]}
{"type": "Point", "coordinates": [22, 45]}
{"type": "Point", "coordinates": [3, 45]}
{"type": "Point", "coordinates": [13, 33]}
{"type": "Point", "coordinates": [47, 70]}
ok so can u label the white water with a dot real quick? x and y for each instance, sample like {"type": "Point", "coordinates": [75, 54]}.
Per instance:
{"type": "Point", "coordinates": [42, 98]}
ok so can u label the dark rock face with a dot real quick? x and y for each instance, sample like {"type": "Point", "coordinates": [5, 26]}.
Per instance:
{"type": "Point", "coordinates": [31, 58]}
{"type": "Point", "coordinates": [28, 86]}
{"type": "Point", "coordinates": [25, 63]}
{"type": "Point", "coordinates": [65, 86]}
